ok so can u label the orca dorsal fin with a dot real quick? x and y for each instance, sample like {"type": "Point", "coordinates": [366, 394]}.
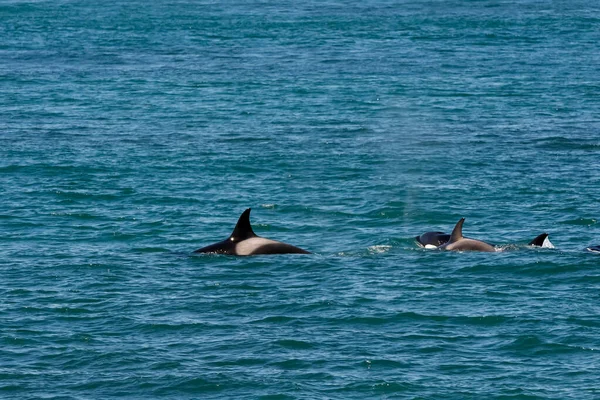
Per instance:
{"type": "Point", "coordinates": [539, 240]}
{"type": "Point", "coordinates": [243, 229]}
{"type": "Point", "coordinates": [457, 231]}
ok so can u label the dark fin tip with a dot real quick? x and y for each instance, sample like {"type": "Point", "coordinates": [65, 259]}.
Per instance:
{"type": "Point", "coordinates": [457, 231]}
{"type": "Point", "coordinates": [539, 240]}
{"type": "Point", "coordinates": [243, 229]}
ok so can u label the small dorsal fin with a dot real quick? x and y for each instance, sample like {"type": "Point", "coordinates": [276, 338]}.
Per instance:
{"type": "Point", "coordinates": [243, 229]}
{"type": "Point", "coordinates": [457, 231]}
{"type": "Point", "coordinates": [539, 240]}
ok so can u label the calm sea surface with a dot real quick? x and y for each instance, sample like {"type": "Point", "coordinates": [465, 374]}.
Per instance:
{"type": "Point", "coordinates": [133, 133]}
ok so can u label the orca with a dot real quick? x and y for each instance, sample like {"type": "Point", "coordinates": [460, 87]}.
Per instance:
{"type": "Point", "coordinates": [539, 240]}
{"type": "Point", "coordinates": [432, 240]}
{"type": "Point", "coordinates": [594, 249]}
{"type": "Point", "coordinates": [459, 243]}
{"type": "Point", "coordinates": [542, 241]}
{"type": "Point", "coordinates": [244, 242]}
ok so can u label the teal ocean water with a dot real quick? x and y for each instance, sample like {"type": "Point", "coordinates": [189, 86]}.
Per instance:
{"type": "Point", "coordinates": [133, 133]}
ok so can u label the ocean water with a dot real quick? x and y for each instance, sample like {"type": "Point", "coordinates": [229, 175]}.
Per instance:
{"type": "Point", "coordinates": [133, 133]}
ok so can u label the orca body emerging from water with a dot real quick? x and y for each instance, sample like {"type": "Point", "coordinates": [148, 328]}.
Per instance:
{"type": "Point", "coordinates": [542, 241]}
{"type": "Point", "coordinates": [432, 240]}
{"type": "Point", "coordinates": [244, 242]}
{"type": "Point", "coordinates": [594, 249]}
{"type": "Point", "coordinates": [459, 243]}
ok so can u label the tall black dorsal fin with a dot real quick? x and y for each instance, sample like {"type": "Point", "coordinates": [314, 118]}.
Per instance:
{"type": "Point", "coordinates": [457, 232]}
{"type": "Point", "coordinates": [243, 229]}
{"type": "Point", "coordinates": [539, 240]}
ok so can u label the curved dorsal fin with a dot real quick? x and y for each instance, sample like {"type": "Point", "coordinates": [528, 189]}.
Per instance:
{"type": "Point", "coordinates": [539, 240]}
{"type": "Point", "coordinates": [457, 231]}
{"type": "Point", "coordinates": [243, 229]}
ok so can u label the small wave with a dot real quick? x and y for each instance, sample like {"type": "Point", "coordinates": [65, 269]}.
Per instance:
{"type": "Point", "coordinates": [195, 385]}
{"type": "Point", "coordinates": [292, 364]}
{"type": "Point", "coordinates": [279, 319]}
{"type": "Point", "coordinates": [533, 344]}
{"type": "Point", "coordinates": [378, 249]}
{"type": "Point", "coordinates": [150, 250]}
{"type": "Point", "coordinates": [244, 139]}
{"type": "Point", "coordinates": [562, 144]}
{"type": "Point", "coordinates": [581, 222]}
{"type": "Point", "coordinates": [384, 363]}
{"type": "Point", "coordinates": [294, 344]}
{"type": "Point", "coordinates": [390, 387]}
{"type": "Point", "coordinates": [83, 216]}
{"type": "Point", "coordinates": [246, 362]}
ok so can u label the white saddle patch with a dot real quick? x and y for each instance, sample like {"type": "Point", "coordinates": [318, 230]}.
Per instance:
{"type": "Point", "coordinates": [248, 247]}
{"type": "Point", "coordinates": [547, 243]}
